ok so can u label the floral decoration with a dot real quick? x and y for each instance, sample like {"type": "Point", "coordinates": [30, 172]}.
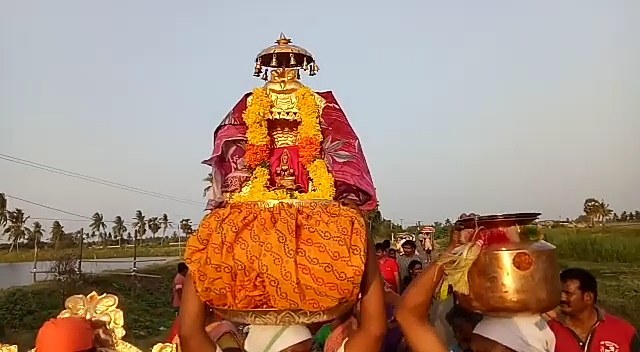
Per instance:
{"type": "Point", "coordinates": [255, 117]}
{"type": "Point", "coordinates": [309, 132]}
{"type": "Point", "coordinates": [323, 182]}
{"type": "Point", "coordinates": [309, 146]}
{"type": "Point", "coordinates": [256, 154]}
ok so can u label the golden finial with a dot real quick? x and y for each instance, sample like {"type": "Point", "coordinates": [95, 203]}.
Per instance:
{"type": "Point", "coordinates": [283, 40]}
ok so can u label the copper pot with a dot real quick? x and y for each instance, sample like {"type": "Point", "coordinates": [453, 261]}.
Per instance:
{"type": "Point", "coordinates": [514, 278]}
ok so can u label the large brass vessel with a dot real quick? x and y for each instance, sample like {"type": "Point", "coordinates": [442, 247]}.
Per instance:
{"type": "Point", "coordinates": [514, 278]}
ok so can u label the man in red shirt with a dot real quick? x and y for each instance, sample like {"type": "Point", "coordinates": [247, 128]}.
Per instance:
{"type": "Point", "coordinates": [388, 267]}
{"type": "Point", "coordinates": [581, 326]}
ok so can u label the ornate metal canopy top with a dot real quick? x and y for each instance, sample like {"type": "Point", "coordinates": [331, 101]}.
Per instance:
{"type": "Point", "coordinates": [284, 55]}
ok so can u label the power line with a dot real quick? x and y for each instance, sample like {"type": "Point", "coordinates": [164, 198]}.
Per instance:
{"type": "Point", "coordinates": [55, 170]}
{"type": "Point", "coordinates": [48, 207]}
{"type": "Point", "coordinates": [84, 217]}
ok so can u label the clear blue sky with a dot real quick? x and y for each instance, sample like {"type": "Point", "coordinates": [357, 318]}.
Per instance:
{"type": "Point", "coordinates": [485, 106]}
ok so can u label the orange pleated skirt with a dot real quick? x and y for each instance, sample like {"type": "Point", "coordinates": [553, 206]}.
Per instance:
{"type": "Point", "coordinates": [286, 256]}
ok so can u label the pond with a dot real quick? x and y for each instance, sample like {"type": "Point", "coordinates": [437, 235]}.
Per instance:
{"type": "Point", "coordinates": [19, 274]}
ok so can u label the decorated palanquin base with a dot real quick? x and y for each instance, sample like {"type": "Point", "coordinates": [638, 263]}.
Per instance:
{"type": "Point", "coordinates": [104, 308]}
{"type": "Point", "coordinates": [285, 238]}
{"type": "Point", "coordinates": [287, 255]}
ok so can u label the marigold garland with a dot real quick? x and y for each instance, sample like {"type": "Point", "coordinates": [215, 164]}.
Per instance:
{"type": "Point", "coordinates": [309, 140]}
{"type": "Point", "coordinates": [256, 154]}
{"type": "Point", "coordinates": [309, 132]}
{"type": "Point", "coordinates": [255, 117]}
{"type": "Point", "coordinates": [322, 180]}
{"type": "Point", "coordinates": [308, 149]}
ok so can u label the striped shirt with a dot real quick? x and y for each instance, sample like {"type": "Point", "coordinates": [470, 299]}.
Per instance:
{"type": "Point", "coordinates": [403, 264]}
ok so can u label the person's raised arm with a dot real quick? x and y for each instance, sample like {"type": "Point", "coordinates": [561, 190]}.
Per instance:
{"type": "Point", "coordinates": [412, 310]}
{"type": "Point", "coordinates": [373, 322]}
{"type": "Point", "coordinates": [193, 337]}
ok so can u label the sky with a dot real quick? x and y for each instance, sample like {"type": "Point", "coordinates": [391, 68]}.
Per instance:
{"type": "Point", "coordinates": [485, 106]}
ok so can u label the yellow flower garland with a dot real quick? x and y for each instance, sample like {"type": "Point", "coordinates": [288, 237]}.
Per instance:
{"type": "Point", "coordinates": [309, 113]}
{"type": "Point", "coordinates": [309, 133]}
{"type": "Point", "coordinates": [255, 117]}
{"type": "Point", "coordinates": [322, 182]}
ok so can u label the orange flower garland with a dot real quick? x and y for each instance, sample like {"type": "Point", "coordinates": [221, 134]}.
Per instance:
{"type": "Point", "coordinates": [309, 150]}
{"type": "Point", "coordinates": [309, 133]}
{"type": "Point", "coordinates": [309, 141]}
{"type": "Point", "coordinates": [256, 155]}
{"type": "Point", "coordinates": [255, 117]}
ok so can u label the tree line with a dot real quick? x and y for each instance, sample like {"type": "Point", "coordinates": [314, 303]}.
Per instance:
{"type": "Point", "coordinates": [598, 212]}
{"type": "Point", "coordinates": [14, 227]}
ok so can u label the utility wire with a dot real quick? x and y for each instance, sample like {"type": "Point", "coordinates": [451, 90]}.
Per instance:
{"type": "Point", "coordinates": [55, 170]}
{"type": "Point", "coordinates": [84, 217]}
{"type": "Point", "coordinates": [48, 207]}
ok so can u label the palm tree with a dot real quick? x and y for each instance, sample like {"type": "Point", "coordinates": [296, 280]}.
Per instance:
{"type": "Point", "coordinates": [154, 226]}
{"type": "Point", "coordinates": [591, 209]}
{"type": "Point", "coordinates": [209, 183]}
{"type": "Point", "coordinates": [165, 224]}
{"type": "Point", "coordinates": [57, 233]}
{"type": "Point", "coordinates": [139, 225]}
{"type": "Point", "coordinates": [604, 211]}
{"type": "Point", "coordinates": [119, 229]}
{"type": "Point", "coordinates": [186, 227]}
{"type": "Point", "coordinates": [36, 233]}
{"type": "Point", "coordinates": [98, 226]}
{"type": "Point", "coordinates": [3, 211]}
{"type": "Point", "coordinates": [16, 230]}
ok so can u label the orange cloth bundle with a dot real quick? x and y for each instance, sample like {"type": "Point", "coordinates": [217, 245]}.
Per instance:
{"type": "Point", "coordinates": [302, 255]}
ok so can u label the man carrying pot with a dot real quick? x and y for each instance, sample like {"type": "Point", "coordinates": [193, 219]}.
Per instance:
{"type": "Point", "coordinates": [519, 334]}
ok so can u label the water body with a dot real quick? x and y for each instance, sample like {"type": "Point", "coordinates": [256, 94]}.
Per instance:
{"type": "Point", "coordinates": [19, 274]}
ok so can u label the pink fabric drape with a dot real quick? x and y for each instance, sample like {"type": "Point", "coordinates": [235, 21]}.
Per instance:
{"type": "Point", "coordinates": [341, 151]}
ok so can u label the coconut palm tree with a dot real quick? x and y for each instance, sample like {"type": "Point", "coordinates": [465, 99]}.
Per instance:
{"type": "Point", "coordinates": [119, 229]}
{"type": "Point", "coordinates": [209, 183]}
{"type": "Point", "coordinates": [165, 224]}
{"type": "Point", "coordinates": [36, 233]}
{"type": "Point", "coordinates": [57, 233]}
{"type": "Point", "coordinates": [591, 209]}
{"type": "Point", "coordinates": [139, 225]}
{"type": "Point", "coordinates": [154, 226]}
{"type": "Point", "coordinates": [16, 230]}
{"type": "Point", "coordinates": [98, 226]}
{"type": "Point", "coordinates": [604, 211]}
{"type": "Point", "coordinates": [186, 227]}
{"type": "Point", "coordinates": [3, 211]}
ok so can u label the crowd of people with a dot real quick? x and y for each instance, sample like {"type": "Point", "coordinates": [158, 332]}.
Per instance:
{"type": "Point", "coordinates": [398, 312]}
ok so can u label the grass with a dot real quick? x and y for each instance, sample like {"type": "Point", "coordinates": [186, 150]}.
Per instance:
{"type": "Point", "coordinates": [91, 253]}
{"type": "Point", "coordinates": [145, 302]}
{"type": "Point", "coordinates": [618, 287]}
{"type": "Point", "coordinates": [598, 245]}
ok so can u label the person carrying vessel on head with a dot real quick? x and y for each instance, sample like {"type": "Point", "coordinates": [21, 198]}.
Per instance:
{"type": "Point", "coordinates": [519, 334]}
{"type": "Point", "coordinates": [296, 338]}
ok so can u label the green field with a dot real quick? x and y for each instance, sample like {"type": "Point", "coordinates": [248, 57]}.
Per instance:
{"type": "Point", "coordinates": [26, 255]}
{"type": "Point", "coordinates": [612, 254]}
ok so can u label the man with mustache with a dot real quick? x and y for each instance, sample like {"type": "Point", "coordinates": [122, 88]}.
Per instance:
{"type": "Point", "coordinates": [581, 326]}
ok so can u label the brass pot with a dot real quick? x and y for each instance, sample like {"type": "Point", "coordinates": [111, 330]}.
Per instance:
{"type": "Point", "coordinates": [514, 278]}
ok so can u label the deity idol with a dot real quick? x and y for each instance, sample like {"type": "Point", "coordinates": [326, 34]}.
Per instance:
{"type": "Point", "coordinates": [290, 182]}
{"type": "Point", "coordinates": [286, 126]}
